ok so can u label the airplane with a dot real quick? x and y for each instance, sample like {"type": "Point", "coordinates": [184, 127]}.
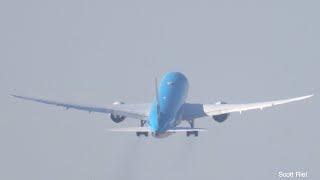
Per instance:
{"type": "Point", "coordinates": [163, 117]}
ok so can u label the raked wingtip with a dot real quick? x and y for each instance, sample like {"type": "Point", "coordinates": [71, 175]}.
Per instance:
{"type": "Point", "coordinates": [309, 96]}
{"type": "Point", "coordinates": [305, 97]}
{"type": "Point", "coordinates": [14, 96]}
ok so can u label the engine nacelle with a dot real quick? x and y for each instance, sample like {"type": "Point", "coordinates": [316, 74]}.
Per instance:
{"type": "Point", "coordinates": [222, 117]}
{"type": "Point", "coordinates": [117, 118]}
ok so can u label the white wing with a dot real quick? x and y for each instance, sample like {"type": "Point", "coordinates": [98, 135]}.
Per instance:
{"type": "Point", "coordinates": [193, 111]}
{"type": "Point", "coordinates": [135, 111]}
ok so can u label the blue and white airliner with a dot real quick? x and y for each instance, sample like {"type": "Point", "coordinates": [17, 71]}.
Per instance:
{"type": "Point", "coordinates": [163, 117]}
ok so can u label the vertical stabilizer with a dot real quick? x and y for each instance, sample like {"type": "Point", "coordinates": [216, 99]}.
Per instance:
{"type": "Point", "coordinates": [157, 96]}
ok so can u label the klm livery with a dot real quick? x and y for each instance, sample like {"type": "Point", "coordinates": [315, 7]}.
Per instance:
{"type": "Point", "coordinates": [163, 116]}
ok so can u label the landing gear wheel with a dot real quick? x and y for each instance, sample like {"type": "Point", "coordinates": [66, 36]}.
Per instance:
{"type": "Point", "coordinates": [142, 133]}
{"type": "Point", "coordinates": [195, 133]}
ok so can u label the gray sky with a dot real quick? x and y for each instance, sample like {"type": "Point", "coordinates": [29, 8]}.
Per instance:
{"type": "Point", "coordinates": [96, 52]}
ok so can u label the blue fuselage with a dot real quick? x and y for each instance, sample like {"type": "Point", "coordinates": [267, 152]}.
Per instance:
{"type": "Point", "coordinates": [166, 112]}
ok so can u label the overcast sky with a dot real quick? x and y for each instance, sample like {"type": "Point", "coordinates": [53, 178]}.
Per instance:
{"type": "Point", "coordinates": [99, 51]}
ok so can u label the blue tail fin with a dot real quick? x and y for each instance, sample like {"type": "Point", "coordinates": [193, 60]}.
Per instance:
{"type": "Point", "coordinates": [157, 96]}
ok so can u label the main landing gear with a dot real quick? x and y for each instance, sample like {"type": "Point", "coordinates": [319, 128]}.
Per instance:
{"type": "Point", "coordinates": [142, 123]}
{"type": "Point", "coordinates": [189, 133]}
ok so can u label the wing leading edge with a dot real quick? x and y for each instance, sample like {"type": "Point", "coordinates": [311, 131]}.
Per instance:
{"type": "Point", "coordinates": [135, 111]}
{"type": "Point", "coordinates": [193, 111]}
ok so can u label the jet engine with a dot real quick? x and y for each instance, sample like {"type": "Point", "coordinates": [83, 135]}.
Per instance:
{"type": "Point", "coordinates": [222, 117]}
{"type": "Point", "coordinates": [117, 118]}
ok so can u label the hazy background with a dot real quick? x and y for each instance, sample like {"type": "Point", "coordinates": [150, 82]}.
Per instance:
{"type": "Point", "coordinates": [98, 51]}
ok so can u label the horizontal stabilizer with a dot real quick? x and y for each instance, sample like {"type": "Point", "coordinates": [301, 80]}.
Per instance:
{"type": "Point", "coordinates": [131, 129]}
{"type": "Point", "coordinates": [186, 129]}
{"type": "Point", "coordinates": [147, 129]}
